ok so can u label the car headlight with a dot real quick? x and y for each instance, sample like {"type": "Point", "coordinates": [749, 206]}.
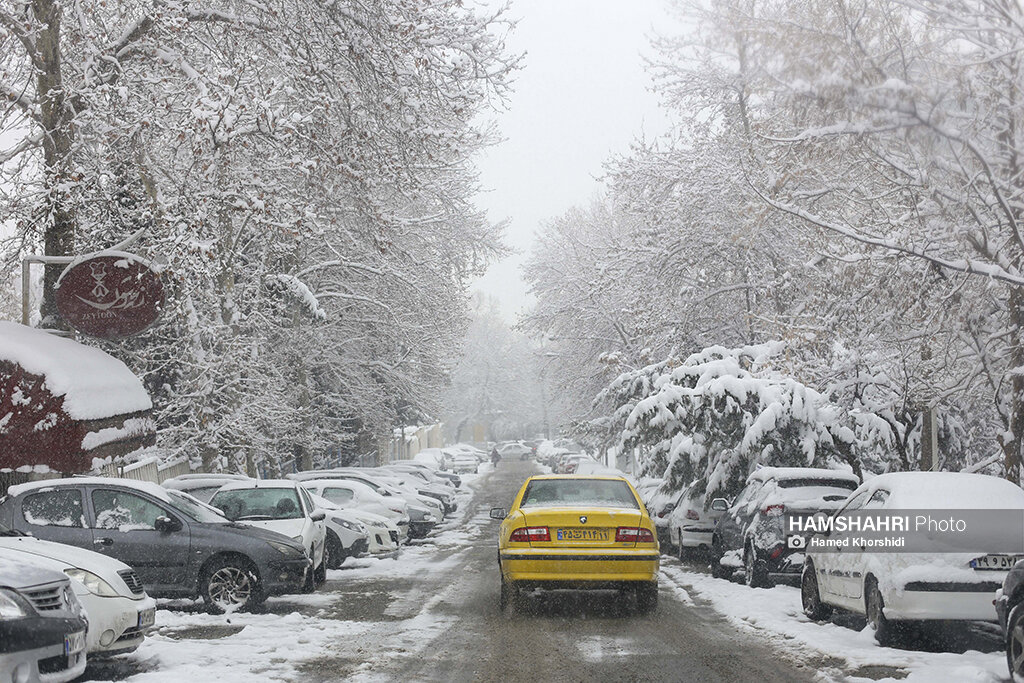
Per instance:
{"type": "Point", "coordinates": [10, 606]}
{"type": "Point", "coordinates": [286, 549]}
{"type": "Point", "coordinates": [93, 583]}
{"type": "Point", "coordinates": [351, 526]}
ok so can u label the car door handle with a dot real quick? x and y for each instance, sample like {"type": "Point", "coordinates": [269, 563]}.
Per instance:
{"type": "Point", "coordinates": [103, 541]}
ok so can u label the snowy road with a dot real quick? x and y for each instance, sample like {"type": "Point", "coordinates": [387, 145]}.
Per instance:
{"type": "Point", "coordinates": [432, 615]}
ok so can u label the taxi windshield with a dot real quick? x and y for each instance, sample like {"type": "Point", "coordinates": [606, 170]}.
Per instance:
{"type": "Point", "coordinates": [579, 492]}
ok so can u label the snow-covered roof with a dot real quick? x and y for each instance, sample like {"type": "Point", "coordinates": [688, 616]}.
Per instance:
{"type": "Point", "coordinates": [152, 489]}
{"type": "Point", "coordinates": [340, 483]}
{"type": "Point", "coordinates": [94, 384]}
{"type": "Point", "coordinates": [260, 484]}
{"type": "Point", "coordinates": [765, 473]}
{"type": "Point", "coordinates": [948, 490]}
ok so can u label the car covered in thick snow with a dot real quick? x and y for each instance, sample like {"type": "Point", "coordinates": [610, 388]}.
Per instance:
{"type": "Point", "coordinates": [119, 611]}
{"type": "Point", "coordinates": [178, 547]}
{"type": "Point", "coordinates": [577, 532]}
{"type": "Point", "coordinates": [750, 533]}
{"type": "Point", "coordinates": [282, 506]}
{"type": "Point", "coordinates": [892, 586]}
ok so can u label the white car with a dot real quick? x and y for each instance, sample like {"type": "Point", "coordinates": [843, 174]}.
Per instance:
{"type": "Point", "coordinates": [380, 534]}
{"type": "Point", "coordinates": [202, 486]}
{"type": "Point", "coordinates": [690, 525]}
{"type": "Point", "coordinates": [463, 463]}
{"type": "Point", "coordinates": [890, 586]}
{"type": "Point", "coordinates": [358, 496]}
{"type": "Point", "coordinates": [432, 457]}
{"type": "Point", "coordinates": [119, 611]}
{"type": "Point", "coordinates": [279, 505]}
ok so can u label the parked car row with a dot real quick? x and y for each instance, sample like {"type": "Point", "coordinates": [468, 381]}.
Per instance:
{"type": "Point", "coordinates": [835, 567]}
{"type": "Point", "coordinates": [82, 559]}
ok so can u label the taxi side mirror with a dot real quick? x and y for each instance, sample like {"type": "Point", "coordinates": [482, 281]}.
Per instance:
{"type": "Point", "coordinates": [498, 513]}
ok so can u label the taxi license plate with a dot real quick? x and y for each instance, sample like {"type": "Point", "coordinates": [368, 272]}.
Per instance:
{"type": "Point", "coordinates": [147, 617]}
{"type": "Point", "coordinates": [996, 562]}
{"type": "Point", "coordinates": [74, 643]}
{"type": "Point", "coordinates": [581, 534]}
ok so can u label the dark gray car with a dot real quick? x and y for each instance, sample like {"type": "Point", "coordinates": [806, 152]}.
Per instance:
{"type": "Point", "coordinates": [178, 547]}
{"type": "Point", "coordinates": [42, 624]}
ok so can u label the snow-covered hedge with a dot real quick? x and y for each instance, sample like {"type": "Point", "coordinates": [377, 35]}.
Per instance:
{"type": "Point", "coordinates": [720, 413]}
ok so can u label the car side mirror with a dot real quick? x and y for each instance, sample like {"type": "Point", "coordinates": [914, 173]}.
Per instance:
{"type": "Point", "coordinates": [719, 504]}
{"type": "Point", "coordinates": [167, 524]}
{"type": "Point", "coordinates": [498, 513]}
{"type": "Point", "coordinates": [318, 516]}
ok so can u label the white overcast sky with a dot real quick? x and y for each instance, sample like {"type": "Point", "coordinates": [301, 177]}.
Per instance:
{"type": "Point", "coordinates": [582, 95]}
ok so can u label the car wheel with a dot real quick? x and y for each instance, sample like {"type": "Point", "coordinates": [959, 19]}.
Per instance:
{"type": "Point", "coordinates": [1015, 641]}
{"type": "Point", "coordinates": [646, 598]}
{"type": "Point", "coordinates": [230, 584]}
{"type": "Point", "coordinates": [874, 610]}
{"type": "Point", "coordinates": [685, 554]}
{"type": "Point", "coordinates": [756, 575]}
{"type": "Point", "coordinates": [810, 598]}
{"type": "Point", "coordinates": [334, 552]}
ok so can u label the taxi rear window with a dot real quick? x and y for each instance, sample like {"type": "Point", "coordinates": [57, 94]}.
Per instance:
{"type": "Point", "coordinates": [579, 492]}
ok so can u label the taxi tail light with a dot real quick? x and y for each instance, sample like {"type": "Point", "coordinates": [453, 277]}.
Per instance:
{"type": "Point", "coordinates": [633, 534]}
{"type": "Point", "coordinates": [692, 514]}
{"type": "Point", "coordinates": [776, 551]}
{"type": "Point", "coordinates": [525, 534]}
{"type": "Point", "coordinates": [775, 510]}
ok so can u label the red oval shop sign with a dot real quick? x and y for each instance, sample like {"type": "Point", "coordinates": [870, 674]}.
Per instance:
{"type": "Point", "coordinates": [110, 296]}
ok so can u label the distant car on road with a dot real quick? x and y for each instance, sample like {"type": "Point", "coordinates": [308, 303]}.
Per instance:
{"type": "Point", "coordinates": [179, 548]}
{"type": "Point", "coordinates": [750, 536]}
{"type": "Point", "coordinates": [42, 624]}
{"type": "Point", "coordinates": [579, 532]}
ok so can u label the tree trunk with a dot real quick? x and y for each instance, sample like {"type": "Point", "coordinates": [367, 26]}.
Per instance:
{"type": "Point", "coordinates": [58, 136]}
{"type": "Point", "coordinates": [1015, 428]}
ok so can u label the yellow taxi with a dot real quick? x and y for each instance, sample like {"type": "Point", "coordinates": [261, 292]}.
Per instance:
{"type": "Point", "coordinates": [578, 531]}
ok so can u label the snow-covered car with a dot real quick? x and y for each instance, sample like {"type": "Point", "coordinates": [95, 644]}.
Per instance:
{"type": "Point", "coordinates": [380, 533]}
{"type": "Point", "coordinates": [750, 535]}
{"type": "Point", "coordinates": [346, 536]}
{"type": "Point", "coordinates": [892, 586]}
{"type": "Point", "coordinates": [180, 548]}
{"type": "Point", "coordinates": [42, 624]}
{"type": "Point", "coordinates": [441, 475]}
{"type": "Point", "coordinates": [434, 457]}
{"type": "Point", "coordinates": [202, 486]}
{"type": "Point", "coordinates": [424, 513]}
{"type": "Point", "coordinates": [439, 492]}
{"type": "Point", "coordinates": [660, 503]}
{"type": "Point", "coordinates": [355, 495]}
{"type": "Point", "coordinates": [463, 463]}
{"type": "Point", "coordinates": [119, 611]}
{"type": "Point", "coordinates": [691, 526]}
{"type": "Point", "coordinates": [281, 506]}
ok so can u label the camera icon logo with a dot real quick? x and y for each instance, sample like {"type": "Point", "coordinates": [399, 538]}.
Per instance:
{"type": "Point", "coordinates": [796, 542]}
